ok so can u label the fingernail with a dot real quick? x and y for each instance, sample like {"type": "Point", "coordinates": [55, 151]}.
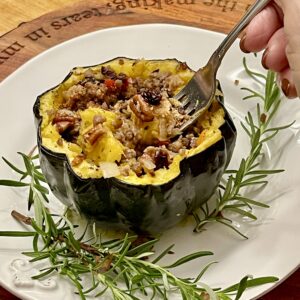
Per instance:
{"type": "Point", "coordinates": [285, 86]}
{"type": "Point", "coordinates": [264, 59]}
{"type": "Point", "coordinates": [242, 44]}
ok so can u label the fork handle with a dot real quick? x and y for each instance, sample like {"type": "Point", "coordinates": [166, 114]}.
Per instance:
{"type": "Point", "coordinates": [218, 55]}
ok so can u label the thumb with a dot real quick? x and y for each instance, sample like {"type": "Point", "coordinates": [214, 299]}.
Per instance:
{"type": "Point", "coordinates": [291, 11]}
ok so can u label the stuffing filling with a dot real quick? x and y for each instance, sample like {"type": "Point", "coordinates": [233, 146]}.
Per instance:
{"type": "Point", "coordinates": [134, 115]}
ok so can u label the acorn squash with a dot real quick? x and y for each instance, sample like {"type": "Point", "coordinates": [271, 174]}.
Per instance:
{"type": "Point", "coordinates": [104, 139]}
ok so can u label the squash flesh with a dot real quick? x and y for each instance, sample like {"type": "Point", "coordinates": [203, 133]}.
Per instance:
{"type": "Point", "coordinates": [108, 148]}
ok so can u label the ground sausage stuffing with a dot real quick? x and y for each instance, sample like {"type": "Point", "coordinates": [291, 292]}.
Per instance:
{"type": "Point", "coordinates": [136, 103]}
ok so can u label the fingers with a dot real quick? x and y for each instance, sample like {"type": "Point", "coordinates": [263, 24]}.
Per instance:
{"type": "Point", "coordinates": [260, 30]}
{"type": "Point", "coordinates": [291, 25]}
{"type": "Point", "coordinates": [293, 54]}
{"type": "Point", "coordinates": [287, 83]}
{"type": "Point", "coordinates": [274, 57]}
{"type": "Point", "coordinates": [277, 30]}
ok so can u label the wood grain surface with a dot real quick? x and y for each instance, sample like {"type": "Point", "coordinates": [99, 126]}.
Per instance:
{"type": "Point", "coordinates": [31, 38]}
{"type": "Point", "coordinates": [29, 27]}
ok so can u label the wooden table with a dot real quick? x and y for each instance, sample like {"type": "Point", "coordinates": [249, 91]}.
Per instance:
{"type": "Point", "coordinates": [28, 27]}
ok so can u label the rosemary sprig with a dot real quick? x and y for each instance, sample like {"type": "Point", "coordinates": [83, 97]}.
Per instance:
{"type": "Point", "coordinates": [230, 197]}
{"type": "Point", "coordinates": [119, 267]}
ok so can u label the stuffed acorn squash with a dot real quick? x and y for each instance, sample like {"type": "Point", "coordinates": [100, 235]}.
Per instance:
{"type": "Point", "coordinates": [104, 137]}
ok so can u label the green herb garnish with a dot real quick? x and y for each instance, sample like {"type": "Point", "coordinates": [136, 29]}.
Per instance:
{"type": "Point", "coordinates": [116, 266]}
{"type": "Point", "coordinates": [122, 267]}
{"type": "Point", "coordinates": [259, 129]}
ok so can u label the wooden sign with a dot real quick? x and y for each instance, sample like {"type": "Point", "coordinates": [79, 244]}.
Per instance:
{"type": "Point", "coordinates": [29, 39]}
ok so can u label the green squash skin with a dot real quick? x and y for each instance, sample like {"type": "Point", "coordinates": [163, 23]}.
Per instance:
{"type": "Point", "coordinates": [141, 208]}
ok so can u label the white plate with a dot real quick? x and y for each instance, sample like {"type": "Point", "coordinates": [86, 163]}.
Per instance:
{"type": "Point", "coordinates": [273, 246]}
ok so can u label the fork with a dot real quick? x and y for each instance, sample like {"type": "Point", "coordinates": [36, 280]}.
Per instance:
{"type": "Point", "coordinates": [199, 93]}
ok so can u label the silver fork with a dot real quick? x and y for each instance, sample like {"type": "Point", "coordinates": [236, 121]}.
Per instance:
{"type": "Point", "coordinates": [198, 94]}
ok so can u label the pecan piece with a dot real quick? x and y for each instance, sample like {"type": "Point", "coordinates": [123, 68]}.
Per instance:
{"type": "Point", "coordinates": [78, 160]}
{"type": "Point", "coordinates": [64, 115]}
{"type": "Point", "coordinates": [66, 119]}
{"type": "Point", "coordinates": [141, 108]}
{"type": "Point", "coordinates": [62, 126]}
{"type": "Point", "coordinates": [94, 134]}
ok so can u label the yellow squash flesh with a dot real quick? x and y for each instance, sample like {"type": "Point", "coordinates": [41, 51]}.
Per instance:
{"type": "Point", "coordinates": [108, 148]}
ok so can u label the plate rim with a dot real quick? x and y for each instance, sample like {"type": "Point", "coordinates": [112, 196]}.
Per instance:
{"type": "Point", "coordinates": [86, 36]}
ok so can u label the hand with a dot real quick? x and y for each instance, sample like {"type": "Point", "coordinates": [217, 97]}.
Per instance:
{"type": "Point", "coordinates": [277, 30]}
